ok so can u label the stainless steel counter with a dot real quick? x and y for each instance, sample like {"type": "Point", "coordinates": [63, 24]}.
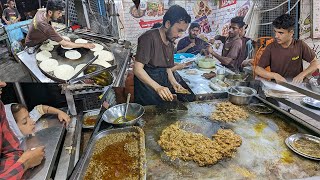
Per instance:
{"type": "Point", "coordinates": [262, 155]}
{"type": "Point", "coordinates": [50, 134]}
{"type": "Point", "coordinates": [200, 85]}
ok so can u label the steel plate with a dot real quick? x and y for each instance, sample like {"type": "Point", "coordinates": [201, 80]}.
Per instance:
{"type": "Point", "coordinates": [58, 54]}
{"type": "Point", "coordinates": [311, 102]}
{"type": "Point", "coordinates": [290, 142]}
{"type": "Point", "coordinates": [260, 109]}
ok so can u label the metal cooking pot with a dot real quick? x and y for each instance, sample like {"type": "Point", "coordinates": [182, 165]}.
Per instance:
{"type": "Point", "coordinates": [113, 113]}
{"type": "Point", "coordinates": [241, 95]}
{"type": "Point", "coordinates": [314, 85]}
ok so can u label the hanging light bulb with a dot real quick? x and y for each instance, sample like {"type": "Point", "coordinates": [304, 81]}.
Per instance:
{"type": "Point", "coordinates": [137, 3]}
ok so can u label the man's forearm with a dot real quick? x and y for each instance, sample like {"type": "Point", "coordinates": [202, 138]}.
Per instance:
{"type": "Point", "coordinates": [223, 60]}
{"type": "Point", "coordinates": [145, 78]}
{"type": "Point", "coordinates": [171, 77]}
{"type": "Point", "coordinates": [263, 73]}
{"type": "Point", "coordinates": [311, 68]}
{"type": "Point", "coordinates": [71, 44]}
{"type": "Point", "coordinates": [183, 50]}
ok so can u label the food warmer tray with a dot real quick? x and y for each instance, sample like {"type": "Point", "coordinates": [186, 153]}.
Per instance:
{"type": "Point", "coordinates": [79, 171]}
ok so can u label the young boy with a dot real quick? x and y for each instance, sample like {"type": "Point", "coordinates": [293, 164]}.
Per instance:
{"type": "Point", "coordinates": [22, 123]}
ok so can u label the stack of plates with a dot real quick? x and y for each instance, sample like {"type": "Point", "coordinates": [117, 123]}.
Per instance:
{"type": "Point", "coordinates": [305, 145]}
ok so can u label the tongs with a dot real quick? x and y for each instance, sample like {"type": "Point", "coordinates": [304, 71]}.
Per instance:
{"type": "Point", "coordinates": [75, 78]}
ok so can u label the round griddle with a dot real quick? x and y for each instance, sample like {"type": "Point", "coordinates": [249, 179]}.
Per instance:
{"type": "Point", "coordinates": [58, 53]}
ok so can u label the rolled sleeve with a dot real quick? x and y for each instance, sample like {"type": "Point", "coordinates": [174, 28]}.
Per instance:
{"type": "Point", "coordinates": [144, 50]}
{"type": "Point", "coordinates": [307, 53]}
{"type": "Point", "coordinates": [265, 59]}
{"type": "Point", "coordinates": [53, 35]}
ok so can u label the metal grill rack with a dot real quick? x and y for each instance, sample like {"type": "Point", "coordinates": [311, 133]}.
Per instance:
{"type": "Point", "coordinates": [266, 28]}
{"type": "Point", "coordinates": [72, 12]}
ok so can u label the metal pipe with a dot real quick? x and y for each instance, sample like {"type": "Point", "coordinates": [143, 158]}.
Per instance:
{"type": "Point", "coordinates": [296, 35]}
{"type": "Point", "coordinates": [19, 93]}
{"type": "Point", "coordinates": [66, 14]}
{"type": "Point", "coordinates": [86, 15]}
{"type": "Point", "coordinates": [39, 1]}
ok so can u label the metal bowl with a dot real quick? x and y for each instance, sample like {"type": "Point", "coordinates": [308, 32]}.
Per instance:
{"type": "Point", "coordinates": [314, 85]}
{"type": "Point", "coordinates": [241, 97]}
{"type": "Point", "coordinates": [113, 113]}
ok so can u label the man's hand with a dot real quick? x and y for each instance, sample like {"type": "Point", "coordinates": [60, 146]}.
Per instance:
{"type": "Point", "coordinates": [177, 87]}
{"type": "Point", "coordinates": [8, 22]}
{"type": "Point", "coordinates": [247, 62]}
{"type": "Point", "coordinates": [298, 79]}
{"type": "Point", "coordinates": [32, 158]}
{"type": "Point", "coordinates": [279, 78]}
{"type": "Point", "coordinates": [62, 116]}
{"type": "Point", "coordinates": [191, 45]}
{"type": "Point", "coordinates": [164, 93]}
{"type": "Point", "coordinates": [88, 45]}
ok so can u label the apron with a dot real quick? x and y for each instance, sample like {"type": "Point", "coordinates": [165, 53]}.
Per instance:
{"type": "Point", "coordinates": [145, 95]}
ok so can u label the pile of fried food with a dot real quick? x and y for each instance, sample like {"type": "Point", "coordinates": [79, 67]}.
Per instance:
{"type": "Point", "coordinates": [209, 75]}
{"type": "Point", "coordinates": [189, 146]}
{"type": "Point", "coordinates": [115, 156]}
{"type": "Point", "coordinates": [228, 112]}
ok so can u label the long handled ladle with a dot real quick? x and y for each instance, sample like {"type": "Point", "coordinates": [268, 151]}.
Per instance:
{"type": "Point", "coordinates": [127, 106]}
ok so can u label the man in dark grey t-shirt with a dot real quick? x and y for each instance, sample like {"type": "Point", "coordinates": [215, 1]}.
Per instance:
{"type": "Point", "coordinates": [154, 59]}
{"type": "Point", "coordinates": [40, 28]}
{"type": "Point", "coordinates": [11, 15]}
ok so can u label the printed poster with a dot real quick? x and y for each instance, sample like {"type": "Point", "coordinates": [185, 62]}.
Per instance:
{"type": "Point", "coordinates": [226, 3]}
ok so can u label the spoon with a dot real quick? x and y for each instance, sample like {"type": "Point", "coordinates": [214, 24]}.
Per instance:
{"type": "Point", "coordinates": [238, 92]}
{"type": "Point", "coordinates": [126, 110]}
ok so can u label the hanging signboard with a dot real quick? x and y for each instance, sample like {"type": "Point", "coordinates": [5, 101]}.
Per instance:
{"type": "Point", "coordinates": [315, 19]}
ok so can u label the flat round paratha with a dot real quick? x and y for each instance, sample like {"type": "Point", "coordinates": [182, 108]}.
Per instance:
{"type": "Point", "coordinates": [72, 54]}
{"type": "Point", "coordinates": [104, 55]}
{"type": "Point", "coordinates": [66, 47]}
{"type": "Point", "coordinates": [97, 47]}
{"type": "Point", "coordinates": [48, 65]}
{"type": "Point", "coordinates": [43, 55]}
{"type": "Point", "coordinates": [47, 47]}
{"type": "Point", "coordinates": [54, 43]}
{"type": "Point", "coordinates": [66, 38]}
{"type": "Point", "coordinates": [78, 68]}
{"type": "Point", "coordinates": [64, 72]}
{"type": "Point", "coordinates": [102, 63]}
{"type": "Point", "coordinates": [81, 41]}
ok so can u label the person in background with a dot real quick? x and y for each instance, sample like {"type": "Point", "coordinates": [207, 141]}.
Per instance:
{"type": "Point", "coordinates": [284, 56]}
{"type": "Point", "coordinates": [14, 161]}
{"type": "Point", "coordinates": [22, 122]}
{"type": "Point", "coordinates": [41, 30]}
{"type": "Point", "coordinates": [231, 53]}
{"type": "Point", "coordinates": [191, 43]}
{"type": "Point", "coordinates": [154, 79]}
{"type": "Point", "coordinates": [156, 25]}
{"type": "Point", "coordinates": [11, 15]}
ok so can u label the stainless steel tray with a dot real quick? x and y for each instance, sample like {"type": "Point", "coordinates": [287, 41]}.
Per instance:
{"type": "Point", "coordinates": [80, 172]}
{"type": "Point", "coordinates": [94, 112]}
{"type": "Point", "coordinates": [311, 102]}
{"type": "Point", "coordinates": [291, 139]}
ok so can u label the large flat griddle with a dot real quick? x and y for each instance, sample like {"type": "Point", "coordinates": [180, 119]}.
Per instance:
{"type": "Point", "coordinates": [58, 53]}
